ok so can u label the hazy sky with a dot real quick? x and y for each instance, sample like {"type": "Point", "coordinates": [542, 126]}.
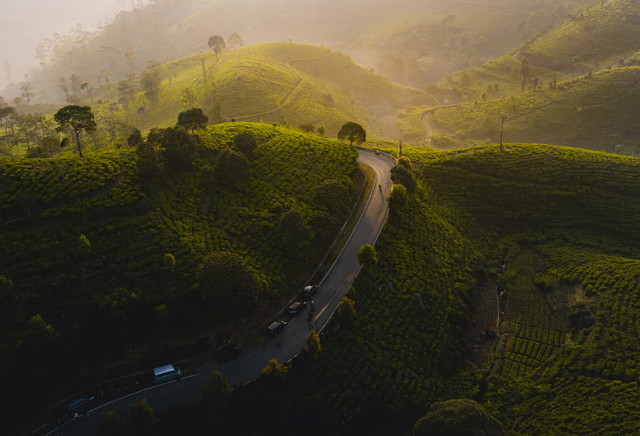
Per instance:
{"type": "Point", "coordinates": [25, 23]}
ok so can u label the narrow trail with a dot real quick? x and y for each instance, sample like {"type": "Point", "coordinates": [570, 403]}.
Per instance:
{"type": "Point", "coordinates": [427, 119]}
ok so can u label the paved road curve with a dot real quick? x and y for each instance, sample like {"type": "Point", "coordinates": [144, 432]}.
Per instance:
{"type": "Point", "coordinates": [249, 365]}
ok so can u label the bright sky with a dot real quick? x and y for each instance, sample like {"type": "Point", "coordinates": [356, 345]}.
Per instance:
{"type": "Point", "coordinates": [26, 23]}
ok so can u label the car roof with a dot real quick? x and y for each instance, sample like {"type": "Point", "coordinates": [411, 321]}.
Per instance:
{"type": "Point", "coordinates": [163, 369]}
{"type": "Point", "coordinates": [296, 304]}
{"type": "Point", "coordinates": [79, 401]}
{"type": "Point", "coordinates": [275, 325]}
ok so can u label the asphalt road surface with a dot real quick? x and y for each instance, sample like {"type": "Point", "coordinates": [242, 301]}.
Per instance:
{"type": "Point", "coordinates": [248, 366]}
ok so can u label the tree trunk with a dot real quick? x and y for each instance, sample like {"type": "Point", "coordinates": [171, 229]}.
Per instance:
{"type": "Point", "coordinates": [78, 141]}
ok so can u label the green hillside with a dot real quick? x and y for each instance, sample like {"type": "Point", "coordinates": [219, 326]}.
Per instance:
{"type": "Point", "coordinates": [566, 220]}
{"type": "Point", "coordinates": [603, 34]}
{"type": "Point", "coordinates": [271, 83]}
{"type": "Point", "coordinates": [86, 240]}
{"type": "Point", "coordinates": [563, 220]}
{"type": "Point", "coordinates": [595, 111]}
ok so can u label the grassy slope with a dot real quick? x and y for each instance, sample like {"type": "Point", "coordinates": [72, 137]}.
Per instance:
{"type": "Point", "coordinates": [596, 112]}
{"type": "Point", "coordinates": [560, 215]}
{"type": "Point", "coordinates": [46, 204]}
{"type": "Point", "coordinates": [275, 82]}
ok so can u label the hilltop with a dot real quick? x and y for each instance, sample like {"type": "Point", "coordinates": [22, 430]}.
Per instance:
{"type": "Point", "coordinates": [269, 82]}
{"type": "Point", "coordinates": [99, 253]}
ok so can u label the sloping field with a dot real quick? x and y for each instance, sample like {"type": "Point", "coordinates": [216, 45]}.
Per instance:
{"type": "Point", "coordinates": [607, 31]}
{"type": "Point", "coordinates": [566, 219]}
{"type": "Point", "coordinates": [271, 83]}
{"type": "Point", "coordinates": [595, 112]}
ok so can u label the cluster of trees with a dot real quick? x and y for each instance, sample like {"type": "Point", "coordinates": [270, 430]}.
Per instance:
{"type": "Point", "coordinates": [217, 44]}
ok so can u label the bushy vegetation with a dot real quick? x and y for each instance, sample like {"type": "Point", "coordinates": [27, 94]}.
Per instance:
{"type": "Point", "coordinates": [101, 257]}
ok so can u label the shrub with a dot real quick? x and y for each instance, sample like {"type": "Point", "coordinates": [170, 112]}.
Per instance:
{"type": "Point", "coordinates": [309, 128]}
{"type": "Point", "coordinates": [398, 198]}
{"type": "Point", "coordinates": [217, 390]}
{"type": "Point", "coordinates": [367, 255]}
{"type": "Point", "coordinates": [227, 285]}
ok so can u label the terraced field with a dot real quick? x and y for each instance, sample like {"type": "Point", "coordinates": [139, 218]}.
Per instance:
{"type": "Point", "coordinates": [536, 333]}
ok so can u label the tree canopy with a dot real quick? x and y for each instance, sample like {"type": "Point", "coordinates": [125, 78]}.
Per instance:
{"type": "Point", "coordinates": [233, 168]}
{"type": "Point", "coordinates": [217, 390]}
{"type": "Point", "coordinates": [216, 43]}
{"type": "Point", "coordinates": [295, 229]}
{"type": "Point", "coordinates": [227, 284]}
{"type": "Point", "coordinates": [235, 41]}
{"type": "Point", "coordinates": [245, 143]}
{"type": "Point", "coordinates": [333, 197]}
{"type": "Point", "coordinates": [179, 148]}
{"type": "Point", "coordinates": [78, 118]}
{"type": "Point", "coordinates": [367, 255]}
{"type": "Point", "coordinates": [398, 198]}
{"type": "Point", "coordinates": [400, 175]}
{"type": "Point", "coordinates": [193, 119]}
{"type": "Point", "coordinates": [352, 132]}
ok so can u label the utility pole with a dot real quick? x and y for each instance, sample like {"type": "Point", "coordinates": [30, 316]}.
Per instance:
{"type": "Point", "coordinates": [503, 118]}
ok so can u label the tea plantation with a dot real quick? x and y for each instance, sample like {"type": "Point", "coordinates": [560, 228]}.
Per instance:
{"type": "Point", "coordinates": [566, 352]}
{"type": "Point", "coordinates": [101, 257]}
{"type": "Point", "coordinates": [269, 82]}
{"type": "Point", "coordinates": [595, 111]}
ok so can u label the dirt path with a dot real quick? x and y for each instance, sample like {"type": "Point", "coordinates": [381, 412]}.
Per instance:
{"type": "Point", "coordinates": [427, 119]}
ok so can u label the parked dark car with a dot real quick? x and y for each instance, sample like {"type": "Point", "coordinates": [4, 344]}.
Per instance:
{"type": "Point", "coordinates": [297, 307]}
{"type": "Point", "coordinates": [276, 327]}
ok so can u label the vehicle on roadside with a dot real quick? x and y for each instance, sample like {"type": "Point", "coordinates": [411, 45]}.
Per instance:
{"type": "Point", "coordinates": [276, 327]}
{"type": "Point", "coordinates": [297, 307]}
{"type": "Point", "coordinates": [166, 373]}
{"type": "Point", "coordinates": [79, 404]}
{"type": "Point", "coordinates": [309, 291]}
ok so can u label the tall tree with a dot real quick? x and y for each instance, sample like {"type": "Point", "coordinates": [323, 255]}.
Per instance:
{"type": "Point", "coordinates": [27, 92]}
{"type": "Point", "coordinates": [193, 119]}
{"type": "Point", "coordinates": [217, 390]}
{"type": "Point", "coordinates": [353, 132]}
{"type": "Point", "coordinates": [216, 43]}
{"type": "Point", "coordinates": [235, 41]}
{"type": "Point", "coordinates": [78, 118]}
{"type": "Point", "coordinates": [5, 112]}
{"type": "Point", "coordinates": [150, 81]}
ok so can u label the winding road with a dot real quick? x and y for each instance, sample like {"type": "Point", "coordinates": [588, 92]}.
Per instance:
{"type": "Point", "coordinates": [248, 366]}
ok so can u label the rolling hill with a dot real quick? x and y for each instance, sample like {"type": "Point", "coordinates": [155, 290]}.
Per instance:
{"type": "Point", "coordinates": [271, 83]}
{"type": "Point", "coordinates": [100, 256]}
{"type": "Point", "coordinates": [562, 221]}
{"type": "Point", "coordinates": [596, 111]}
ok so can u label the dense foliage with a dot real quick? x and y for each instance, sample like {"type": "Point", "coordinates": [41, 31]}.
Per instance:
{"type": "Point", "coordinates": [99, 259]}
